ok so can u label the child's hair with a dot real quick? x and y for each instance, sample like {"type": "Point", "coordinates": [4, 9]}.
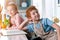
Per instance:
{"type": "Point", "coordinates": [30, 9]}
{"type": "Point", "coordinates": [13, 5]}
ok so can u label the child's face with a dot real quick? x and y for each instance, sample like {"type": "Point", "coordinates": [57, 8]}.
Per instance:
{"type": "Point", "coordinates": [34, 15]}
{"type": "Point", "coordinates": [12, 11]}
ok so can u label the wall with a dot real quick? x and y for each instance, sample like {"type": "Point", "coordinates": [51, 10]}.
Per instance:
{"type": "Point", "coordinates": [47, 8]}
{"type": "Point", "coordinates": [50, 8]}
{"type": "Point", "coordinates": [57, 9]}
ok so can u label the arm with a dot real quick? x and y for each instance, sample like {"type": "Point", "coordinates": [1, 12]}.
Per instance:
{"type": "Point", "coordinates": [18, 21]}
{"type": "Point", "coordinates": [57, 30]}
{"type": "Point", "coordinates": [21, 27]}
{"type": "Point", "coordinates": [52, 24]}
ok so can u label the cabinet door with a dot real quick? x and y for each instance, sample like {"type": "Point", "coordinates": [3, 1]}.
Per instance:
{"type": "Point", "coordinates": [23, 4]}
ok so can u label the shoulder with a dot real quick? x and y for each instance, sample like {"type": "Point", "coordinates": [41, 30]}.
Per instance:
{"type": "Point", "coordinates": [17, 14]}
{"type": "Point", "coordinates": [29, 25]}
{"type": "Point", "coordinates": [46, 20]}
{"type": "Point", "coordinates": [43, 19]}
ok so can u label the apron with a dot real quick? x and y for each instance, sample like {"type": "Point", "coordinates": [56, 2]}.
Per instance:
{"type": "Point", "coordinates": [52, 35]}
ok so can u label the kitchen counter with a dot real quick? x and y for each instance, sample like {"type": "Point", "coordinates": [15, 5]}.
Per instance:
{"type": "Point", "coordinates": [12, 35]}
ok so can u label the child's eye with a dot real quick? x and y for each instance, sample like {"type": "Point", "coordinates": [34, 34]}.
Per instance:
{"type": "Point", "coordinates": [33, 13]}
{"type": "Point", "coordinates": [13, 10]}
{"type": "Point", "coordinates": [36, 11]}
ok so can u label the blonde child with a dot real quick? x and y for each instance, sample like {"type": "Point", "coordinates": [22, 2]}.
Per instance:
{"type": "Point", "coordinates": [15, 18]}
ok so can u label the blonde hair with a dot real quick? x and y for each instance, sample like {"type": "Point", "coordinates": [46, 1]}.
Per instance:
{"type": "Point", "coordinates": [13, 5]}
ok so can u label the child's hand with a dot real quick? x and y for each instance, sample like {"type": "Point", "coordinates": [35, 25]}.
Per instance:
{"type": "Point", "coordinates": [30, 19]}
{"type": "Point", "coordinates": [26, 20]}
{"type": "Point", "coordinates": [8, 26]}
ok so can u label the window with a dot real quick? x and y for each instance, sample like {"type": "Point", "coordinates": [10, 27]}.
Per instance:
{"type": "Point", "coordinates": [59, 3]}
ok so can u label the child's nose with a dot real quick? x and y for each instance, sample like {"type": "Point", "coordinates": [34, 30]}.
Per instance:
{"type": "Point", "coordinates": [36, 14]}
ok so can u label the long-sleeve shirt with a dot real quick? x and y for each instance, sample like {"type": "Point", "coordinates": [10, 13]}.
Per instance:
{"type": "Point", "coordinates": [16, 21]}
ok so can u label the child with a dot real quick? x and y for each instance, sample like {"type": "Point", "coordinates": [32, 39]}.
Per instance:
{"type": "Point", "coordinates": [15, 18]}
{"type": "Point", "coordinates": [43, 28]}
